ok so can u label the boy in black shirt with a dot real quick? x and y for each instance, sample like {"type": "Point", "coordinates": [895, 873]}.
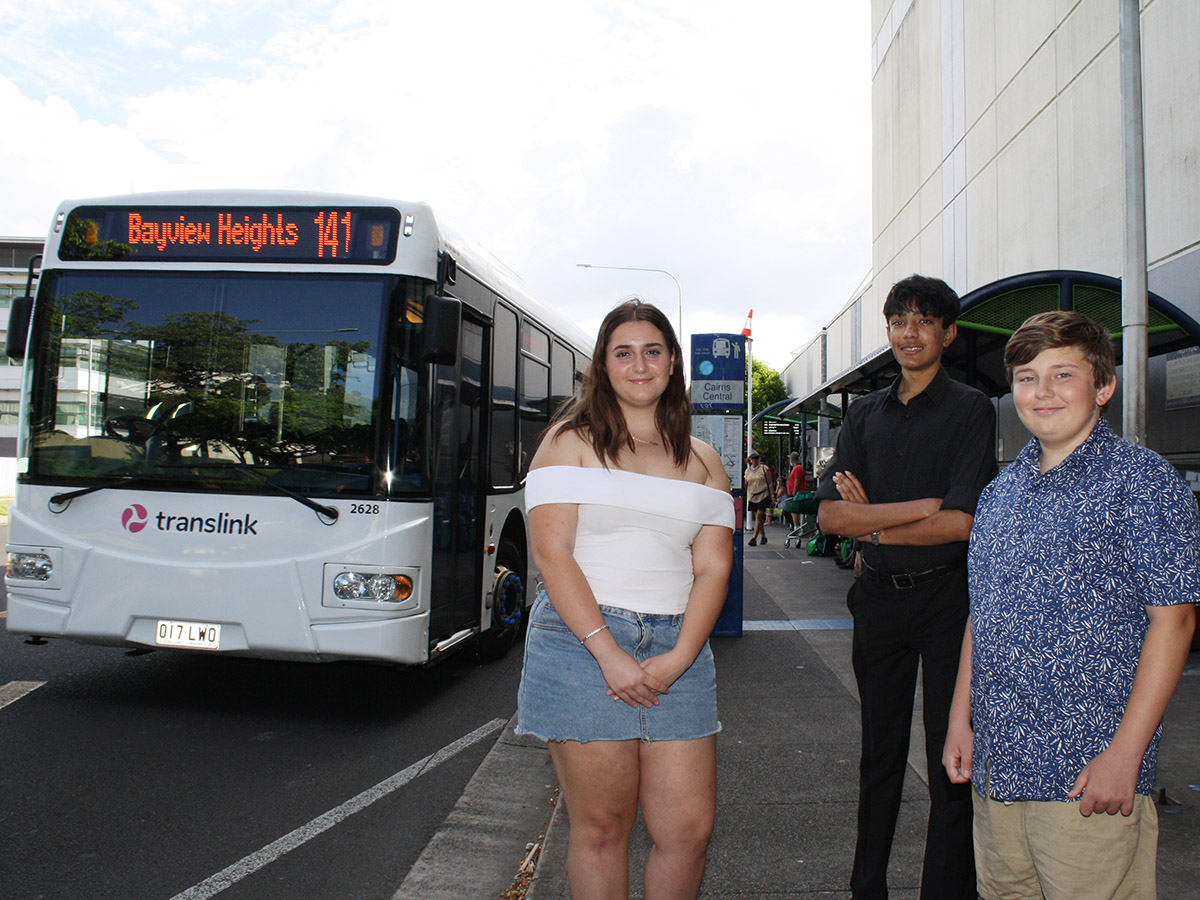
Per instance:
{"type": "Point", "coordinates": [909, 464]}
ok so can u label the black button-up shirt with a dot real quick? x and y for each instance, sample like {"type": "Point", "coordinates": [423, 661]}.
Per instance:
{"type": "Point", "coordinates": [939, 444]}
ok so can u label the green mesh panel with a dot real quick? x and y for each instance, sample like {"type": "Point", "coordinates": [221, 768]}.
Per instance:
{"type": "Point", "coordinates": [1010, 309]}
{"type": "Point", "coordinates": [1104, 306]}
{"type": "Point", "coordinates": [1100, 304]}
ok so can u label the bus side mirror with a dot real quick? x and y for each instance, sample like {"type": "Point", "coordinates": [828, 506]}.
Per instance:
{"type": "Point", "coordinates": [18, 327]}
{"type": "Point", "coordinates": [443, 316]}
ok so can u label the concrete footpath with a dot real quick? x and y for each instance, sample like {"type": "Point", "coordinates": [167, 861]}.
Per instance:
{"type": "Point", "coordinates": [787, 769]}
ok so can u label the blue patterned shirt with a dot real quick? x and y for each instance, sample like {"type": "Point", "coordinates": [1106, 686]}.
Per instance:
{"type": "Point", "coordinates": [1062, 566]}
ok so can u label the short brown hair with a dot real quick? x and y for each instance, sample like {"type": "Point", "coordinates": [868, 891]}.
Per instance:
{"type": "Point", "coordinates": [1063, 328]}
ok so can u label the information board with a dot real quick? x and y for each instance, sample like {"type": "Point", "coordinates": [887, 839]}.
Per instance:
{"type": "Point", "coordinates": [727, 435]}
{"type": "Point", "coordinates": [1183, 378]}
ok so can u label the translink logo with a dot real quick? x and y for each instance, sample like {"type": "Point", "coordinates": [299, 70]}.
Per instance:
{"type": "Point", "coordinates": [135, 518]}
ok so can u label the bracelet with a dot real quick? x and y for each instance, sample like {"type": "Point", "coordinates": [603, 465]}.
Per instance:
{"type": "Point", "coordinates": [584, 639]}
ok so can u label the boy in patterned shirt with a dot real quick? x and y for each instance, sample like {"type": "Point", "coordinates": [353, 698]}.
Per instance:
{"type": "Point", "coordinates": [1084, 566]}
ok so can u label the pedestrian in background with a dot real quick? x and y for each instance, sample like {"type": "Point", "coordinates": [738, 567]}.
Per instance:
{"type": "Point", "coordinates": [1084, 569]}
{"type": "Point", "coordinates": [631, 527]}
{"type": "Point", "coordinates": [908, 467]}
{"type": "Point", "coordinates": [797, 483]}
{"type": "Point", "coordinates": [780, 497]}
{"type": "Point", "coordinates": [758, 496]}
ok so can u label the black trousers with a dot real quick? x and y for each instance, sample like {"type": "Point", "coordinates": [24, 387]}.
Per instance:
{"type": "Point", "coordinates": [893, 631]}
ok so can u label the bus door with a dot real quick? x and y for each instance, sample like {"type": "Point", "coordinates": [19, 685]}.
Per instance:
{"type": "Point", "coordinates": [458, 408]}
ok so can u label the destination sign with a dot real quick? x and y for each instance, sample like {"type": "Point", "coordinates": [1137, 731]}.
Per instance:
{"type": "Point", "coordinates": [276, 234]}
{"type": "Point", "coordinates": [775, 428]}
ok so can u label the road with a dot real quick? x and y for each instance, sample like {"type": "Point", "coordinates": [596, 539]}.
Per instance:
{"type": "Point", "coordinates": [179, 776]}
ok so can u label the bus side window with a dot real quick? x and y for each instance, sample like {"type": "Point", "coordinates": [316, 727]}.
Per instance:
{"type": "Point", "coordinates": [535, 403]}
{"type": "Point", "coordinates": [562, 378]}
{"type": "Point", "coordinates": [504, 398]}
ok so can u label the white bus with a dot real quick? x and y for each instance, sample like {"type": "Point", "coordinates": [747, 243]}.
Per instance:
{"type": "Point", "coordinates": [283, 425]}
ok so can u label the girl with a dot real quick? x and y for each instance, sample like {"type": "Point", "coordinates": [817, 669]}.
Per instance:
{"type": "Point", "coordinates": [631, 526]}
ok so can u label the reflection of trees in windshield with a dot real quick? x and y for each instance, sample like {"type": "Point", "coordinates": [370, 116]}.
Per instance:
{"type": "Point", "coordinates": [77, 325]}
{"type": "Point", "coordinates": [80, 240]}
{"type": "Point", "coordinates": [117, 395]}
{"type": "Point", "coordinates": [90, 314]}
{"type": "Point", "coordinates": [246, 392]}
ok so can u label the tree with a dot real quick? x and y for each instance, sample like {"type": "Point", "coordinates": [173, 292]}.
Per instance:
{"type": "Point", "coordinates": [767, 388]}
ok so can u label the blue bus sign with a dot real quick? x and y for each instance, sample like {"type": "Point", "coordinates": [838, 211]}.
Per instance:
{"type": "Point", "coordinates": [718, 371]}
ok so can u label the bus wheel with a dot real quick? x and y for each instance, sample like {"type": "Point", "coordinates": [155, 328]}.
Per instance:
{"type": "Point", "coordinates": [508, 603]}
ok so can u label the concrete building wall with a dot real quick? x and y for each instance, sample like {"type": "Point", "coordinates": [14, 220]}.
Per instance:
{"type": "Point", "coordinates": [997, 151]}
{"type": "Point", "coordinates": [1003, 146]}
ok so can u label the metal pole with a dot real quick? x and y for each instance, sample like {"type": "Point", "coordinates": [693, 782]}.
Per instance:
{"type": "Point", "coordinates": [1135, 316]}
{"type": "Point", "coordinates": [804, 441]}
{"type": "Point", "coordinates": [678, 286]}
{"type": "Point", "coordinates": [823, 410]}
{"type": "Point", "coordinates": [749, 395]}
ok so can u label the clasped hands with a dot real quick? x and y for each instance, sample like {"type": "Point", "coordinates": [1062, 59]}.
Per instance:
{"type": "Point", "coordinates": [639, 684]}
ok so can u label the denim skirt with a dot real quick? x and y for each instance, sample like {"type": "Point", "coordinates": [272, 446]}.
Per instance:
{"type": "Point", "coordinates": [562, 695]}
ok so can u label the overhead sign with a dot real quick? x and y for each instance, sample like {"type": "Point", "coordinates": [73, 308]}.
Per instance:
{"type": "Point", "coordinates": [775, 428]}
{"type": "Point", "coordinates": [718, 371]}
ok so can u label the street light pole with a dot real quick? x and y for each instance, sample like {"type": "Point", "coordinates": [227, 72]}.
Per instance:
{"type": "Point", "coordinates": [1135, 314]}
{"type": "Point", "coordinates": [678, 286]}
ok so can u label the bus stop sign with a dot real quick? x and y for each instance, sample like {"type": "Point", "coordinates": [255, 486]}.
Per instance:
{"type": "Point", "coordinates": [718, 371]}
{"type": "Point", "coordinates": [719, 417]}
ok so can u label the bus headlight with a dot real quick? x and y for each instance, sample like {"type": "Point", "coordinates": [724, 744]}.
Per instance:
{"type": "Point", "coordinates": [350, 586]}
{"type": "Point", "coordinates": [30, 566]}
{"type": "Point", "coordinates": [365, 586]}
{"type": "Point", "coordinates": [382, 587]}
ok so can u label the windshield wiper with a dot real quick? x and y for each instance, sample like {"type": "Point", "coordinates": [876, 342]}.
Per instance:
{"type": "Point", "coordinates": [64, 500]}
{"type": "Point", "coordinates": [323, 512]}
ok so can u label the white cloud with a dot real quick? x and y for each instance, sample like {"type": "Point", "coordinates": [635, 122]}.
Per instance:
{"type": "Point", "coordinates": [70, 157]}
{"type": "Point", "coordinates": [200, 52]}
{"type": "Point", "coordinates": [137, 39]}
{"type": "Point", "coordinates": [727, 144]}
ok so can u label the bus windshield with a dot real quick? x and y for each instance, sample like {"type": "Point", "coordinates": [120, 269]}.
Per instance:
{"type": "Point", "coordinates": [189, 378]}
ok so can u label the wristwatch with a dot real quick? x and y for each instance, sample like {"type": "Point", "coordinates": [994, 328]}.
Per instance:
{"type": "Point", "coordinates": [875, 537]}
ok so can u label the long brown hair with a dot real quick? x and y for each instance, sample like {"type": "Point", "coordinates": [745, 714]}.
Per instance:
{"type": "Point", "coordinates": [596, 412]}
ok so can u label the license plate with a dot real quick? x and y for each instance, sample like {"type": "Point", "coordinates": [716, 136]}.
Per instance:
{"type": "Point", "coordinates": [197, 635]}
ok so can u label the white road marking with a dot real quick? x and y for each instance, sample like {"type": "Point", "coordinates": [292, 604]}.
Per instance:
{"type": "Point", "coordinates": [15, 690]}
{"type": "Point", "coordinates": [798, 625]}
{"type": "Point", "coordinates": [249, 865]}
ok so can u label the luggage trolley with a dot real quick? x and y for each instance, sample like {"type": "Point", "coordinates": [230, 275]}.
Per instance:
{"type": "Point", "coordinates": [804, 504]}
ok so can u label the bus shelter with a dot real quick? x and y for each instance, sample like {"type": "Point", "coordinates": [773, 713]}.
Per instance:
{"type": "Point", "coordinates": [990, 315]}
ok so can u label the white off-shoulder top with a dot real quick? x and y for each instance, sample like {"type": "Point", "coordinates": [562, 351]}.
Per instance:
{"type": "Point", "coordinates": [635, 532]}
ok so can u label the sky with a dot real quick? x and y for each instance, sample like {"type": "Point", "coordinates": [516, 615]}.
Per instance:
{"type": "Point", "coordinates": [728, 144]}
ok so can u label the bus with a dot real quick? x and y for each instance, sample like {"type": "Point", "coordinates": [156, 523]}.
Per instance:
{"type": "Point", "coordinates": [286, 425]}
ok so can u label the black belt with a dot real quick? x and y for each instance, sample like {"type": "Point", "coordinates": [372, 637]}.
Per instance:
{"type": "Point", "coordinates": [905, 581]}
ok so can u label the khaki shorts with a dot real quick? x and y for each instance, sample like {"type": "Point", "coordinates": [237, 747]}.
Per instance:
{"type": "Point", "coordinates": [1030, 849]}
